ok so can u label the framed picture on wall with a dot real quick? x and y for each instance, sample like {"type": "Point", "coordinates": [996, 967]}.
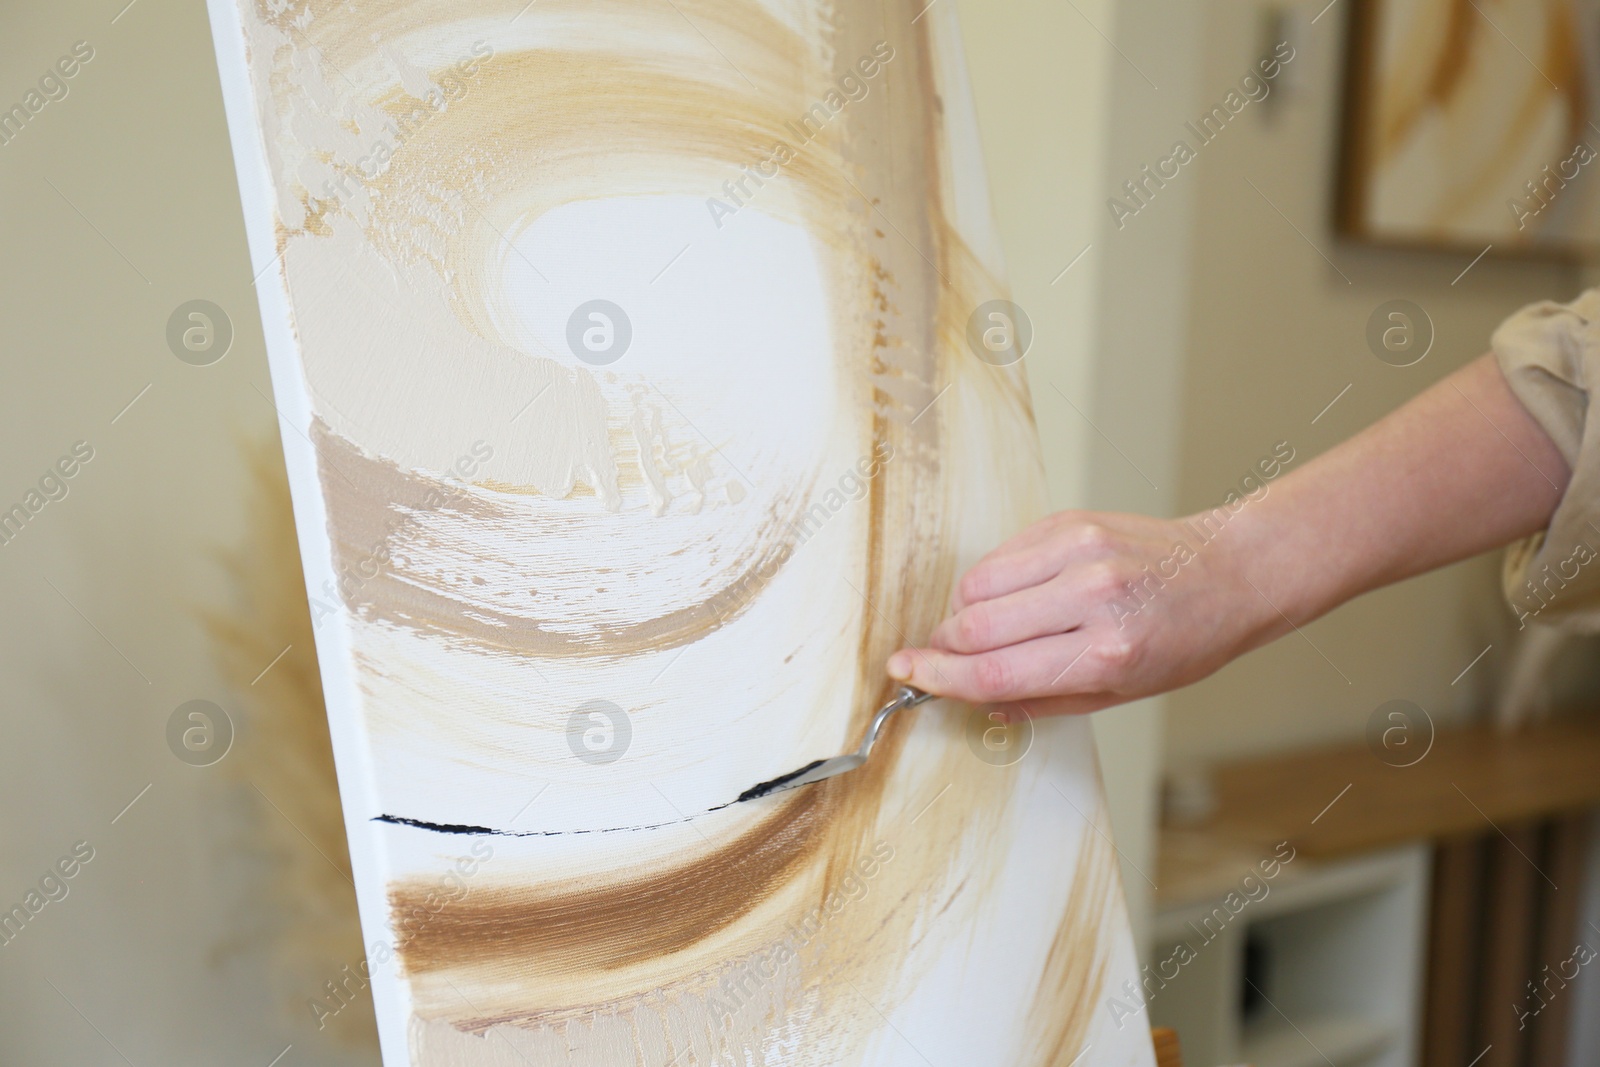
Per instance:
{"type": "Point", "coordinates": [1471, 123]}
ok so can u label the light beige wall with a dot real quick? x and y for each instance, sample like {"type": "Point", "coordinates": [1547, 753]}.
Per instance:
{"type": "Point", "coordinates": [1274, 335]}
{"type": "Point", "coordinates": [151, 943]}
{"type": "Point", "coordinates": [1041, 82]}
{"type": "Point", "coordinates": [1065, 102]}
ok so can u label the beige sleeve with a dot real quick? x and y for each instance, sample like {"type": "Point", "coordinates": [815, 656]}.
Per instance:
{"type": "Point", "coordinates": [1550, 356]}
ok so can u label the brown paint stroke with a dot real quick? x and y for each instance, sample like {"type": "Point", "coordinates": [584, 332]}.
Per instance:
{"type": "Point", "coordinates": [1450, 34]}
{"type": "Point", "coordinates": [909, 250]}
{"type": "Point", "coordinates": [1562, 63]}
{"type": "Point", "coordinates": [369, 497]}
{"type": "Point", "coordinates": [1412, 93]}
{"type": "Point", "coordinates": [593, 924]}
{"type": "Point", "coordinates": [921, 282]}
{"type": "Point", "coordinates": [461, 186]}
{"type": "Point", "coordinates": [1075, 970]}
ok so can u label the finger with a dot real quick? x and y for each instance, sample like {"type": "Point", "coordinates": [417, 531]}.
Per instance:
{"type": "Point", "coordinates": [1016, 566]}
{"type": "Point", "coordinates": [1065, 602]}
{"type": "Point", "coordinates": [1034, 534]}
{"type": "Point", "coordinates": [999, 574]}
{"type": "Point", "coordinates": [1038, 611]}
{"type": "Point", "coordinates": [1046, 665]}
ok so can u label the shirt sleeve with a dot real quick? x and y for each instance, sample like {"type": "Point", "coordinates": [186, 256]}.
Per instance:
{"type": "Point", "coordinates": [1550, 356]}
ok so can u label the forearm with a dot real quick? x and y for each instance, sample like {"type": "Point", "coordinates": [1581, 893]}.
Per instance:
{"type": "Point", "coordinates": [1084, 610]}
{"type": "Point", "coordinates": [1461, 469]}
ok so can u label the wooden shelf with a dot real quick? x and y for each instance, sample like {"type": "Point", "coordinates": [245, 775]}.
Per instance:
{"type": "Point", "coordinates": [1343, 800]}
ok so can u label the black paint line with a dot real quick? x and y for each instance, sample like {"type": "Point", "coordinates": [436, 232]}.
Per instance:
{"type": "Point", "coordinates": [438, 827]}
{"type": "Point", "coordinates": [762, 789]}
{"type": "Point", "coordinates": [480, 831]}
{"type": "Point", "coordinates": [755, 792]}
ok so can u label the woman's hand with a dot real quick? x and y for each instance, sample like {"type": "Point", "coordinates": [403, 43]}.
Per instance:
{"type": "Point", "coordinates": [1083, 610]}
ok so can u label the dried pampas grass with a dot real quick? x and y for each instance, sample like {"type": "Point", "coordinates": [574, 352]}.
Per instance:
{"type": "Point", "coordinates": [307, 905]}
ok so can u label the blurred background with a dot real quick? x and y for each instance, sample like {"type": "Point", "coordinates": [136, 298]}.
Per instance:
{"type": "Point", "coordinates": [1370, 844]}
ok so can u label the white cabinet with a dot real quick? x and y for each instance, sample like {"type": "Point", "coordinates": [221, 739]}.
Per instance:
{"type": "Point", "coordinates": [1324, 967]}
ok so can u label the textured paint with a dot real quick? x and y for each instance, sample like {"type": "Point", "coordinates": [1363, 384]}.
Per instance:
{"type": "Point", "coordinates": [512, 532]}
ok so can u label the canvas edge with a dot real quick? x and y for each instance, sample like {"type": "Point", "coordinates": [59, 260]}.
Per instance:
{"type": "Point", "coordinates": [291, 393]}
{"type": "Point", "coordinates": [970, 168]}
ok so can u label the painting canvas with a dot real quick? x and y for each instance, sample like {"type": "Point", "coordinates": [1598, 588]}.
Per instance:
{"type": "Point", "coordinates": [621, 349]}
{"type": "Point", "coordinates": [1473, 122]}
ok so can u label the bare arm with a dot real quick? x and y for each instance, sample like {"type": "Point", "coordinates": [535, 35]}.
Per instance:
{"type": "Point", "coordinates": [1084, 610]}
